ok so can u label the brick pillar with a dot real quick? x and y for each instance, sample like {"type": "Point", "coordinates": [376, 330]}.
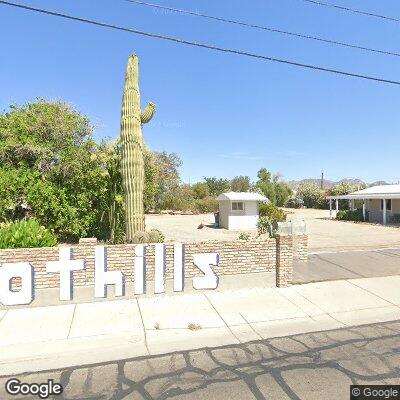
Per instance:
{"type": "Point", "coordinates": [85, 251]}
{"type": "Point", "coordinates": [300, 244]}
{"type": "Point", "coordinates": [284, 260]}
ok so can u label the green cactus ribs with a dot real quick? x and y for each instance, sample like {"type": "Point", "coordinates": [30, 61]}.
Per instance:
{"type": "Point", "coordinates": [132, 162]}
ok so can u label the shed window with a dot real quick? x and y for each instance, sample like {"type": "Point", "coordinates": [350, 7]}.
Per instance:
{"type": "Point", "coordinates": [237, 206]}
{"type": "Point", "coordinates": [388, 204]}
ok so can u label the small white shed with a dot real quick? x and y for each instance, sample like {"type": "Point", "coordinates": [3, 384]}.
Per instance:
{"type": "Point", "coordinates": [239, 210]}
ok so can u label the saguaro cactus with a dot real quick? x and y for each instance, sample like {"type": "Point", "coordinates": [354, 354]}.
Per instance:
{"type": "Point", "coordinates": [132, 163]}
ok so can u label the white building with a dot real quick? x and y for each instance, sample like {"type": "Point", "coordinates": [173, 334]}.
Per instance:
{"type": "Point", "coordinates": [239, 210]}
{"type": "Point", "coordinates": [379, 203]}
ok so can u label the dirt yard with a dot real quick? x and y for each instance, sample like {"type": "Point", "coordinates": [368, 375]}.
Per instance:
{"type": "Point", "coordinates": [324, 234]}
{"type": "Point", "coordinates": [184, 228]}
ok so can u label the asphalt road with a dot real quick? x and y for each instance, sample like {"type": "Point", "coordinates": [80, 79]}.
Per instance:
{"type": "Point", "coordinates": [319, 365]}
{"type": "Point", "coordinates": [347, 265]}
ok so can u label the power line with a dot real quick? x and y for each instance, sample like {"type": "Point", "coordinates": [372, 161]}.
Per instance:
{"type": "Point", "coordinates": [265, 28]}
{"type": "Point", "coordinates": [200, 45]}
{"type": "Point", "coordinates": [369, 14]}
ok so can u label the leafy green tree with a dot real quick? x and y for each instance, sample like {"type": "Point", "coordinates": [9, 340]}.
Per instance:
{"type": "Point", "coordinates": [282, 193]}
{"type": "Point", "coordinates": [264, 175]}
{"type": "Point", "coordinates": [312, 195]}
{"type": "Point", "coordinates": [217, 186]}
{"type": "Point", "coordinates": [161, 178]}
{"type": "Point", "coordinates": [46, 151]}
{"type": "Point", "coordinates": [200, 190]}
{"type": "Point", "coordinates": [277, 192]}
{"type": "Point", "coordinates": [240, 184]}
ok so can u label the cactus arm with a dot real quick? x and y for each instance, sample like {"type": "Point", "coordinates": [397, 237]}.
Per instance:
{"type": "Point", "coordinates": [147, 113]}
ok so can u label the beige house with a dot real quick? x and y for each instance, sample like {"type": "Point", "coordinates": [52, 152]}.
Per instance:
{"type": "Point", "coordinates": [379, 203]}
{"type": "Point", "coordinates": [239, 210]}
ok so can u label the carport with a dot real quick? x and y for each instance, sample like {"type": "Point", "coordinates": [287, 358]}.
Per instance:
{"type": "Point", "coordinates": [380, 203]}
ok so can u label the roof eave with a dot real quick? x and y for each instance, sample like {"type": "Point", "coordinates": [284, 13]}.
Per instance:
{"type": "Point", "coordinates": [378, 196]}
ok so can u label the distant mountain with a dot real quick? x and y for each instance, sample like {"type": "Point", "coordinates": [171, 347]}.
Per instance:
{"type": "Point", "coordinates": [328, 183]}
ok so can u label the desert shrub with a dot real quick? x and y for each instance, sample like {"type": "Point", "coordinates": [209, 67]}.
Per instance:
{"type": "Point", "coordinates": [294, 202]}
{"type": "Point", "coordinates": [153, 236]}
{"type": "Point", "coordinates": [274, 213]}
{"type": "Point", "coordinates": [178, 199]}
{"type": "Point", "coordinates": [312, 195]}
{"type": "Point", "coordinates": [350, 215]}
{"type": "Point", "coordinates": [206, 205]}
{"type": "Point", "coordinates": [244, 236]}
{"type": "Point", "coordinates": [24, 234]}
{"type": "Point", "coordinates": [266, 225]}
{"type": "Point", "coordinates": [270, 186]}
{"type": "Point", "coordinates": [200, 190]}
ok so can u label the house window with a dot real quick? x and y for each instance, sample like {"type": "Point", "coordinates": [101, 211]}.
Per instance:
{"type": "Point", "coordinates": [237, 206]}
{"type": "Point", "coordinates": [388, 204]}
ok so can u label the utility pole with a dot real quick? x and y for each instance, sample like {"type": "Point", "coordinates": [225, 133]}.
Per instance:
{"type": "Point", "coordinates": [322, 180]}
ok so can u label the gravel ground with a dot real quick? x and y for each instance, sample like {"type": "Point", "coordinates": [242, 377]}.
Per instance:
{"type": "Point", "coordinates": [324, 234]}
{"type": "Point", "coordinates": [184, 228]}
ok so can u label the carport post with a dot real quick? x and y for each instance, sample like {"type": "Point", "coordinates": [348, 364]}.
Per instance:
{"type": "Point", "coordinates": [337, 206]}
{"type": "Point", "coordinates": [384, 211]}
{"type": "Point", "coordinates": [330, 208]}
{"type": "Point", "coordinates": [364, 213]}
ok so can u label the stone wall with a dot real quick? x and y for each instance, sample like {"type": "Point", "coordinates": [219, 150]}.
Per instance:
{"type": "Point", "coordinates": [235, 257]}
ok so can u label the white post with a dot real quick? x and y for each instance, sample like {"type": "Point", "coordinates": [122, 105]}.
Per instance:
{"type": "Point", "coordinates": [352, 205]}
{"type": "Point", "coordinates": [384, 211]}
{"type": "Point", "coordinates": [364, 211]}
{"type": "Point", "coordinates": [337, 207]}
{"type": "Point", "coordinates": [330, 208]}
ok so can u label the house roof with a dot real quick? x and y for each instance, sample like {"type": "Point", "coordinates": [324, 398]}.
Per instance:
{"type": "Point", "coordinates": [374, 192]}
{"type": "Point", "coordinates": [242, 196]}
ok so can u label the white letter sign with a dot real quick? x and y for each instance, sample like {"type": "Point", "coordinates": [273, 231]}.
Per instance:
{"type": "Point", "coordinates": [9, 271]}
{"type": "Point", "coordinates": [65, 266]}
{"type": "Point", "coordinates": [103, 277]}
{"type": "Point", "coordinates": [179, 262]}
{"type": "Point", "coordinates": [159, 270]}
{"type": "Point", "coordinates": [204, 262]}
{"type": "Point", "coordinates": [140, 268]}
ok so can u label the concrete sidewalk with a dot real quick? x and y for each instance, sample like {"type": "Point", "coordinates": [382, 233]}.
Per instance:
{"type": "Point", "coordinates": [40, 338]}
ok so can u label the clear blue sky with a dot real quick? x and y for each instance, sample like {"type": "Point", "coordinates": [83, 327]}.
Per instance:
{"type": "Point", "coordinates": [224, 115]}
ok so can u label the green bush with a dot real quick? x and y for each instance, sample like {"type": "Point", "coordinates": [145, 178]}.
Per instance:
{"type": "Point", "coordinates": [206, 205]}
{"type": "Point", "coordinates": [266, 225]}
{"type": "Point", "coordinates": [312, 195]}
{"type": "Point", "coordinates": [350, 215]}
{"type": "Point", "coordinates": [244, 236]}
{"type": "Point", "coordinates": [24, 234]}
{"type": "Point", "coordinates": [294, 202]}
{"type": "Point", "coordinates": [153, 236]}
{"type": "Point", "coordinates": [274, 213]}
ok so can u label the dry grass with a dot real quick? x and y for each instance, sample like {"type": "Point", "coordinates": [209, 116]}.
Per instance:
{"type": "Point", "coordinates": [194, 327]}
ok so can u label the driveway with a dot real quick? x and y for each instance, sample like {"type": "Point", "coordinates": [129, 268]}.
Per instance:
{"type": "Point", "coordinates": [347, 265]}
{"type": "Point", "coordinates": [325, 234]}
